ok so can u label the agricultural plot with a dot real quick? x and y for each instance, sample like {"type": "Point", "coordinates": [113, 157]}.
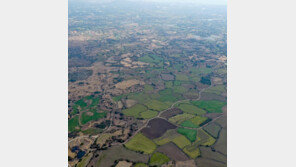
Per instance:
{"type": "Point", "coordinates": [181, 77]}
{"type": "Point", "coordinates": [158, 159]}
{"type": "Point", "coordinates": [194, 122]}
{"type": "Point", "coordinates": [192, 151]}
{"type": "Point", "coordinates": [206, 152]}
{"type": "Point", "coordinates": [172, 136]}
{"type": "Point", "coordinates": [156, 128]}
{"type": "Point", "coordinates": [213, 130]}
{"type": "Point", "coordinates": [167, 95]}
{"type": "Point", "coordinates": [219, 89]}
{"type": "Point", "coordinates": [157, 105]}
{"type": "Point", "coordinates": [140, 165]}
{"type": "Point", "coordinates": [171, 113]}
{"type": "Point", "coordinates": [211, 106]}
{"type": "Point", "coordinates": [191, 109]}
{"type": "Point", "coordinates": [73, 123]}
{"type": "Point", "coordinates": [204, 162]}
{"type": "Point", "coordinates": [135, 110]}
{"type": "Point", "coordinates": [148, 114]}
{"type": "Point", "coordinates": [84, 161]}
{"type": "Point", "coordinates": [221, 144]}
{"type": "Point", "coordinates": [212, 96]}
{"type": "Point", "coordinates": [178, 119]}
{"type": "Point", "coordinates": [91, 116]}
{"type": "Point", "coordinates": [107, 157]}
{"type": "Point", "coordinates": [173, 152]}
{"type": "Point", "coordinates": [189, 133]}
{"type": "Point", "coordinates": [139, 97]}
{"type": "Point", "coordinates": [141, 143]}
{"type": "Point", "coordinates": [204, 138]}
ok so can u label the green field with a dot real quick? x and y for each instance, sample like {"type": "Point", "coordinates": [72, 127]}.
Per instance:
{"type": "Point", "coordinates": [204, 139]}
{"type": "Point", "coordinates": [72, 123]}
{"type": "Point", "coordinates": [189, 133]}
{"type": "Point", "coordinates": [85, 118]}
{"type": "Point", "coordinates": [140, 165]}
{"type": "Point", "coordinates": [167, 95]}
{"type": "Point", "coordinates": [157, 105]}
{"type": "Point", "coordinates": [211, 106]}
{"type": "Point", "coordinates": [219, 89]}
{"type": "Point", "coordinates": [198, 120]}
{"type": "Point", "coordinates": [139, 97]}
{"type": "Point", "coordinates": [92, 131]}
{"type": "Point", "coordinates": [172, 136]}
{"type": "Point", "coordinates": [148, 88]}
{"type": "Point", "coordinates": [84, 161]}
{"type": "Point", "coordinates": [192, 151]}
{"type": "Point", "coordinates": [178, 119]}
{"type": "Point", "coordinates": [181, 77]}
{"type": "Point", "coordinates": [157, 159]}
{"type": "Point", "coordinates": [135, 110]}
{"type": "Point", "coordinates": [148, 114]}
{"type": "Point", "coordinates": [141, 143]}
{"type": "Point", "coordinates": [188, 124]}
{"type": "Point", "coordinates": [191, 109]}
{"type": "Point", "coordinates": [118, 98]}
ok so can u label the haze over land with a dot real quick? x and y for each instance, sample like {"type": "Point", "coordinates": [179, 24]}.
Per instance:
{"type": "Point", "coordinates": [147, 79]}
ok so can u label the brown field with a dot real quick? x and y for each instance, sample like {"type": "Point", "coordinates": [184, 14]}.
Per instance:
{"type": "Point", "coordinates": [171, 112]}
{"type": "Point", "coordinates": [212, 96]}
{"type": "Point", "coordinates": [107, 157]}
{"type": "Point", "coordinates": [156, 128]}
{"type": "Point", "coordinates": [206, 152]}
{"type": "Point", "coordinates": [124, 164]}
{"type": "Point", "coordinates": [212, 129]}
{"type": "Point", "coordinates": [221, 143]}
{"type": "Point", "coordinates": [204, 162]}
{"type": "Point", "coordinates": [167, 77]}
{"type": "Point", "coordinates": [128, 83]}
{"type": "Point", "coordinates": [173, 152]}
{"type": "Point", "coordinates": [189, 163]}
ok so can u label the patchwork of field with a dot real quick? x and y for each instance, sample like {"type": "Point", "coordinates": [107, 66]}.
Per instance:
{"type": "Point", "coordinates": [107, 157]}
{"type": "Point", "coordinates": [156, 128]}
{"type": "Point", "coordinates": [158, 159]}
{"type": "Point", "coordinates": [171, 112]}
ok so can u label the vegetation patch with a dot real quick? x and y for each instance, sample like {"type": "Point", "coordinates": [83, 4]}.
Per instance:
{"type": "Point", "coordinates": [141, 143]}
{"type": "Point", "coordinates": [219, 89]}
{"type": "Point", "coordinates": [135, 110]}
{"type": "Point", "coordinates": [73, 123]}
{"type": "Point", "coordinates": [189, 133]}
{"type": "Point", "coordinates": [178, 119]}
{"type": "Point", "coordinates": [85, 118]}
{"type": "Point", "coordinates": [191, 109]}
{"type": "Point", "coordinates": [157, 105]}
{"type": "Point", "coordinates": [148, 114]}
{"type": "Point", "coordinates": [158, 159]}
{"type": "Point", "coordinates": [172, 136]}
{"type": "Point", "coordinates": [140, 165]}
{"type": "Point", "coordinates": [211, 106]}
{"type": "Point", "coordinates": [192, 151]}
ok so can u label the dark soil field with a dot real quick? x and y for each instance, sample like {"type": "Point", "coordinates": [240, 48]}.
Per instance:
{"type": "Point", "coordinates": [108, 157]}
{"type": "Point", "coordinates": [173, 152]}
{"type": "Point", "coordinates": [221, 143]}
{"type": "Point", "coordinates": [204, 162]}
{"type": "Point", "coordinates": [212, 96]}
{"type": "Point", "coordinates": [171, 112]}
{"type": "Point", "coordinates": [156, 128]}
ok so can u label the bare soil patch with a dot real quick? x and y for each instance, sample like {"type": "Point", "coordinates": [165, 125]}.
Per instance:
{"type": "Point", "coordinates": [157, 127]}
{"type": "Point", "coordinates": [171, 112]}
{"type": "Point", "coordinates": [173, 152]}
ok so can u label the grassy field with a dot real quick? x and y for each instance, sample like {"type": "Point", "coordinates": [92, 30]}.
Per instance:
{"type": "Point", "coordinates": [92, 131]}
{"type": "Point", "coordinates": [168, 95]}
{"type": "Point", "coordinates": [180, 89]}
{"type": "Point", "coordinates": [189, 133]}
{"type": "Point", "coordinates": [198, 120]}
{"type": "Point", "coordinates": [139, 97]}
{"type": "Point", "coordinates": [211, 106]}
{"type": "Point", "coordinates": [181, 77]}
{"type": "Point", "coordinates": [148, 114]}
{"type": "Point", "coordinates": [157, 105]}
{"type": "Point", "coordinates": [84, 161]}
{"type": "Point", "coordinates": [172, 136]}
{"type": "Point", "coordinates": [191, 109]}
{"type": "Point", "coordinates": [141, 143]}
{"type": "Point", "coordinates": [118, 98]}
{"type": "Point", "coordinates": [72, 123]}
{"type": "Point", "coordinates": [148, 88]}
{"type": "Point", "coordinates": [157, 159]}
{"type": "Point", "coordinates": [204, 138]}
{"type": "Point", "coordinates": [135, 110]}
{"type": "Point", "coordinates": [85, 118]}
{"type": "Point", "coordinates": [180, 118]}
{"type": "Point", "coordinates": [219, 89]}
{"type": "Point", "coordinates": [188, 124]}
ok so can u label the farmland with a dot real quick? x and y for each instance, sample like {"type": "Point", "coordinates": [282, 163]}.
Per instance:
{"type": "Point", "coordinates": [147, 84]}
{"type": "Point", "coordinates": [141, 143]}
